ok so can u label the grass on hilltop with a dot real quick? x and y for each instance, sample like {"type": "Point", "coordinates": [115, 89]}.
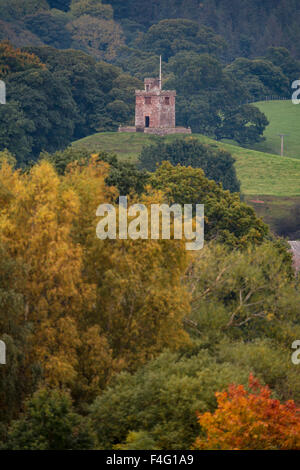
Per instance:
{"type": "Point", "coordinates": [258, 172]}
{"type": "Point", "coordinates": [284, 118]}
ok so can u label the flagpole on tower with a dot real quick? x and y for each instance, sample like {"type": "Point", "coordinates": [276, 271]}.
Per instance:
{"type": "Point", "coordinates": [160, 72]}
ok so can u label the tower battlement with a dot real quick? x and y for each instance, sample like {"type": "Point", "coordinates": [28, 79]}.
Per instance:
{"type": "Point", "coordinates": [151, 83]}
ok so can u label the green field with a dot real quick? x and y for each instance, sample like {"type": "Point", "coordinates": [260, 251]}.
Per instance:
{"type": "Point", "coordinates": [259, 172]}
{"type": "Point", "coordinates": [126, 145]}
{"type": "Point", "coordinates": [284, 118]}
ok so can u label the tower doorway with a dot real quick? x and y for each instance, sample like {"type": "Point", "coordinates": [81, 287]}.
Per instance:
{"type": "Point", "coordinates": [147, 121]}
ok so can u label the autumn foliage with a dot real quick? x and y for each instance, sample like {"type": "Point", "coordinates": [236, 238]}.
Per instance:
{"type": "Point", "coordinates": [14, 60]}
{"type": "Point", "coordinates": [122, 325]}
{"type": "Point", "coordinates": [81, 294]}
{"type": "Point", "coordinates": [252, 419]}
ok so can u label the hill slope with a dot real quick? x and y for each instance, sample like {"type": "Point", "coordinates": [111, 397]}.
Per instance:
{"type": "Point", "coordinates": [259, 172]}
{"type": "Point", "coordinates": [284, 118]}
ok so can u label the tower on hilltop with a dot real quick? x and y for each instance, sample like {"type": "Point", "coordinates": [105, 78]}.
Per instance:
{"type": "Point", "coordinates": [155, 110]}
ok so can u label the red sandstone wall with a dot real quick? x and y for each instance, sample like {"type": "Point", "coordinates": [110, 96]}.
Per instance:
{"type": "Point", "coordinates": [160, 114]}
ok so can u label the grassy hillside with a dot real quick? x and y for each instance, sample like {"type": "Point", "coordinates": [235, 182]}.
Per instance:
{"type": "Point", "coordinates": [284, 118]}
{"type": "Point", "coordinates": [259, 172]}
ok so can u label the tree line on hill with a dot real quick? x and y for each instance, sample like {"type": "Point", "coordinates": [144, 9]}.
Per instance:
{"type": "Point", "coordinates": [110, 56]}
{"type": "Point", "coordinates": [56, 96]}
{"type": "Point", "coordinates": [248, 26]}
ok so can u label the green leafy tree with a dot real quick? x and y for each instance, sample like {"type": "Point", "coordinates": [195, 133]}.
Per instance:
{"type": "Point", "coordinates": [169, 37]}
{"type": "Point", "coordinates": [270, 360]}
{"type": "Point", "coordinates": [62, 158]}
{"type": "Point", "coordinates": [211, 100]}
{"type": "Point", "coordinates": [159, 402]}
{"type": "Point", "coordinates": [50, 27]}
{"type": "Point", "coordinates": [140, 440]}
{"type": "Point", "coordinates": [260, 76]}
{"type": "Point", "coordinates": [50, 423]}
{"type": "Point", "coordinates": [245, 125]}
{"type": "Point", "coordinates": [15, 131]}
{"type": "Point", "coordinates": [216, 164]}
{"type": "Point", "coordinates": [123, 92]}
{"type": "Point", "coordinates": [59, 4]}
{"type": "Point", "coordinates": [248, 26]}
{"type": "Point", "coordinates": [48, 104]}
{"type": "Point", "coordinates": [99, 37]}
{"type": "Point", "coordinates": [12, 10]}
{"type": "Point", "coordinates": [93, 8]}
{"type": "Point", "coordinates": [123, 175]}
{"type": "Point", "coordinates": [227, 219]}
{"type": "Point", "coordinates": [249, 293]}
{"type": "Point", "coordinates": [138, 62]}
{"type": "Point", "coordinates": [90, 83]}
{"type": "Point", "coordinates": [282, 58]}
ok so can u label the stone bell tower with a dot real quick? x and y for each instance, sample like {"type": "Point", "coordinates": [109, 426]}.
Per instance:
{"type": "Point", "coordinates": [155, 110]}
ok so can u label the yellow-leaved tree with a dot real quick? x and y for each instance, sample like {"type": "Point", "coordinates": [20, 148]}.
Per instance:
{"type": "Point", "coordinates": [141, 300]}
{"type": "Point", "coordinates": [93, 306]}
{"type": "Point", "coordinates": [35, 224]}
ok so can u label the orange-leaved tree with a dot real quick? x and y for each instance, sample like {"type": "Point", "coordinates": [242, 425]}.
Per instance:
{"type": "Point", "coordinates": [250, 420]}
{"type": "Point", "coordinates": [14, 60]}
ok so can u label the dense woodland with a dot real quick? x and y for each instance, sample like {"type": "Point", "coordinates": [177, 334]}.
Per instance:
{"type": "Point", "coordinates": [96, 329]}
{"type": "Point", "coordinates": [94, 55]}
{"type": "Point", "coordinates": [140, 344]}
